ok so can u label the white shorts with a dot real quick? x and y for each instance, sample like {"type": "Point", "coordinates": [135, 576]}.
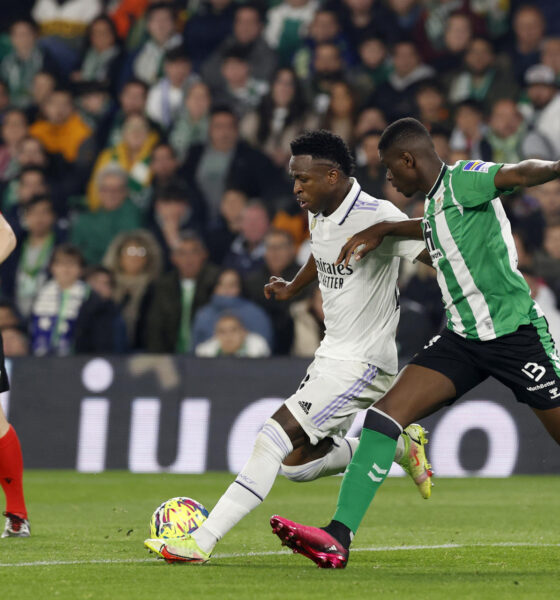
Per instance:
{"type": "Point", "coordinates": [333, 392]}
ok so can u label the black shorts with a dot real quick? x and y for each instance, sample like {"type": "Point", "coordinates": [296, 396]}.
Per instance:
{"type": "Point", "coordinates": [4, 383]}
{"type": "Point", "coordinates": [525, 361]}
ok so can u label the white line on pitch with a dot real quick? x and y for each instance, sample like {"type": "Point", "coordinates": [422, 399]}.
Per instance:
{"type": "Point", "coordinates": [102, 561]}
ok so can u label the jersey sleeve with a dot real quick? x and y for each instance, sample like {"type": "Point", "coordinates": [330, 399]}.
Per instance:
{"type": "Point", "coordinates": [396, 245]}
{"type": "Point", "coordinates": [472, 182]}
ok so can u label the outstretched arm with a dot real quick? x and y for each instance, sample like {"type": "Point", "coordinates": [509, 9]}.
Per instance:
{"type": "Point", "coordinates": [368, 239]}
{"type": "Point", "coordinates": [284, 290]}
{"type": "Point", "coordinates": [526, 174]}
{"type": "Point", "coordinates": [7, 239]}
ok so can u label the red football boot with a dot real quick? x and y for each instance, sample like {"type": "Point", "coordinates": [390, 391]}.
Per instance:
{"type": "Point", "coordinates": [315, 543]}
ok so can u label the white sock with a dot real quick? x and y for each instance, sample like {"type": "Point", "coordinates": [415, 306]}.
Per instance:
{"type": "Point", "coordinates": [399, 452]}
{"type": "Point", "coordinates": [250, 487]}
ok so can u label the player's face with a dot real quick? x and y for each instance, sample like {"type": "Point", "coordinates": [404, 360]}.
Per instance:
{"type": "Point", "coordinates": [313, 184]}
{"type": "Point", "coordinates": [401, 171]}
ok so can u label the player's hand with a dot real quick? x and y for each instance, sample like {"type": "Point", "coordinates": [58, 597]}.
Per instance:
{"type": "Point", "coordinates": [361, 243]}
{"type": "Point", "coordinates": [278, 288]}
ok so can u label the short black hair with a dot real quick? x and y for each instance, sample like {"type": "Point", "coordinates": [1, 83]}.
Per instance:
{"type": "Point", "coordinates": [370, 133]}
{"type": "Point", "coordinates": [368, 36]}
{"type": "Point", "coordinates": [179, 53]}
{"type": "Point", "coordinates": [438, 129]}
{"type": "Point", "coordinates": [33, 169]}
{"type": "Point", "coordinates": [163, 144]}
{"type": "Point", "coordinates": [63, 89]}
{"type": "Point", "coordinates": [71, 251]}
{"type": "Point", "coordinates": [429, 84]}
{"type": "Point", "coordinates": [82, 88]}
{"type": "Point", "coordinates": [175, 191]}
{"type": "Point", "coordinates": [473, 105]}
{"type": "Point", "coordinates": [402, 131]}
{"type": "Point", "coordinates": [168, 6]}
{"type": "Point", "coordinates": [481, 38]}
{"type": "Point", "coordinates": [237, 51]}
{"type": "Point", "coordinates": [101, 270]}
{"type": "Point", "coordinates": [219, 109]}
{"type": "Point", "coordinates": [136, 81]}
{"type": "Point", "coordinates": [14, 109]}
{"type": "Point", "coordinates": [38, 199]}
{"type": "Point", "coordinates": [103, 18]}
{"type": "Point", "coordinates": [27, 20]}
{"type": "Point", "coordinates": [324, 144]}
{"type": "Point", "coordinates": [257, 6]}
{"type": "Point", "coordinates": [190, 235]}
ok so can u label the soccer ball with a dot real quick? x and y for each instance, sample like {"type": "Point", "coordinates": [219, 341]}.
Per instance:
{"type": "Point", "coordinates": [176, 518]}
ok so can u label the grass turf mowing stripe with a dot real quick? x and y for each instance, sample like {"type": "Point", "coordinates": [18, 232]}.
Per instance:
{"type": "Point", "coordinates": [48, 563]}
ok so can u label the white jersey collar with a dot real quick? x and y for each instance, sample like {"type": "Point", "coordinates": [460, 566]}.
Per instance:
{"type": "Point", "coordinates": [340, 214]}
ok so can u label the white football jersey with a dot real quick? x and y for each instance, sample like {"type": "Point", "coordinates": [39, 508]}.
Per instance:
{"type": "Point", "coordinates": [361, 301]}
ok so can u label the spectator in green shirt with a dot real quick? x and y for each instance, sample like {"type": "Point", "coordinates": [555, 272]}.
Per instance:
{"type": "Point", "coordinates": [92, 232]}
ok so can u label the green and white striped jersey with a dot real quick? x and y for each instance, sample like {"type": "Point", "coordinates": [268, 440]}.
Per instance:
{"type": "Point", "coordinates": [469, 239]}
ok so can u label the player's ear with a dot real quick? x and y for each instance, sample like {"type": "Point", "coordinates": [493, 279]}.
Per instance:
{"type": "Point", "coordinates": [333, 176]}
{"type": "Point", "coordinates": [408, 159]}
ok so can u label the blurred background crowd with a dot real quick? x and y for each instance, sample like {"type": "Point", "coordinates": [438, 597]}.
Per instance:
{"type": "Point", "coordinates": [144, 148]}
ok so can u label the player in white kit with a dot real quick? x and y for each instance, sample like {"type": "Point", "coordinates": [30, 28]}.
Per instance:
{"type": "Point", "coordinates": [356, 362]}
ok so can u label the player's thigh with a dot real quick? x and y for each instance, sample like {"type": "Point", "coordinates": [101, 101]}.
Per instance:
{"type": "Point", "coordinates": [550, 418]}
{"type": "Point", "coordinates": [417, 393]}
{"type": "Point", "coordinates": [331, 395]}
{"type": "Point", "coordinates": [439, 374]}
{"type": "Point", "coordinates": [527, 363]}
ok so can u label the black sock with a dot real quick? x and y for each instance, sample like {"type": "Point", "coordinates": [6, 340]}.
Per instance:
{"type": "Point", "coordinates": [340, 532]}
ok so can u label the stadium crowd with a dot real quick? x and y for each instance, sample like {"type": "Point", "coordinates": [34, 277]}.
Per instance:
{"type": "Point", "coordinates": [144, 149]}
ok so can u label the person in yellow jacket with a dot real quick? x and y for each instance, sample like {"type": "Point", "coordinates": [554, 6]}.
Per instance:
{"type": "Point", "coordinates": [62, 131]}
{"type": "Point", "coordinates": [132, 154]}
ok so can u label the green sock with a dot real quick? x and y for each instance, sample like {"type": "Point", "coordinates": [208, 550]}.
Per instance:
{"type": "Point", "coordinates": [367, 471]}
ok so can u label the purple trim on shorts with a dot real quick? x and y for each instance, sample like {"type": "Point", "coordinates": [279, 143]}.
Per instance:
{"type": "Point", "coordinates": [356, 388]}
{"type": "Point", "coordinates": [365, 380]}
{"type": "Point", "coordinates": [319, 417]}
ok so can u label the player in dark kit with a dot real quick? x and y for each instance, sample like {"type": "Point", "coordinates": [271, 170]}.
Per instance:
{"type": "Point", "coordinates": [11, 461]}
{"type": "Point", "coordinates": [494, 327]}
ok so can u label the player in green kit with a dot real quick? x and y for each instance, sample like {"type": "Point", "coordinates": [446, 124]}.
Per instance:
{"type": "Point", "coordinates": [494, 327]}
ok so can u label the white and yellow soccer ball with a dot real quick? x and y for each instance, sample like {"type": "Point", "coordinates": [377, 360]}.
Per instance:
{"type": "Point", "coordinates": [176, 518]}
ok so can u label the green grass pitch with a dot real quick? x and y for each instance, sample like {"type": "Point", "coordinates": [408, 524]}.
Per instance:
{"type": "Point", "coordinates": [480, 539]}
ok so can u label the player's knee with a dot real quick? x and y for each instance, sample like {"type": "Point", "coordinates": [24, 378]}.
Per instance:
{"type": "Point", "coordinates": [382, 422]}
{"type": "Point", "coordinates": [273, 440]}
{"type": "Point", "coordinates": [306, 472]}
